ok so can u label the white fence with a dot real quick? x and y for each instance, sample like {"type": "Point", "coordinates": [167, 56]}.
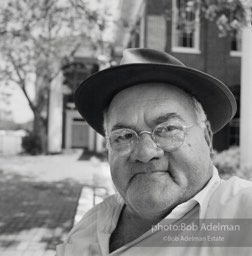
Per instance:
{"type": "Point", "coordinates": [11, 142]}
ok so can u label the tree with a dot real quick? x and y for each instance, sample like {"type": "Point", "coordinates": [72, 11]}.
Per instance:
{"type": "Point", "coordinates": [228, 14]}
{"type": "Point", "coordinates": [37, 38]}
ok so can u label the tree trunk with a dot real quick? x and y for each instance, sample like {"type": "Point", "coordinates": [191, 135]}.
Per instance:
{"type": "Point", "coordinates": [41, 110]}
{"type": "Point", "coordinates": [40, 132]}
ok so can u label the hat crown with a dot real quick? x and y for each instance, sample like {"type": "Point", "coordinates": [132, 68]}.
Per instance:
{"type": "Point", "coordinates": [143, 55]}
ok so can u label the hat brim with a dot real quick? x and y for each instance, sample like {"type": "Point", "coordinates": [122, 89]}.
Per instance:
{"type": "Point", "coordinates": [95, 94]}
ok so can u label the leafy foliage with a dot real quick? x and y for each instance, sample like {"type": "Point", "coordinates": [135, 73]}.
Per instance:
{"type": "Point", "coordinates": [43, 32]}
{"type": "Point", "coordinates": [228, 15]}
{"type": "Point", "coordinates": [228, 164]}
{"type": "Point", "coordinates": [32, 144]}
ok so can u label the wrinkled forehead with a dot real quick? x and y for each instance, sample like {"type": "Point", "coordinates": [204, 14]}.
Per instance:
{"type": "Point", "coordinates": [150, 97]}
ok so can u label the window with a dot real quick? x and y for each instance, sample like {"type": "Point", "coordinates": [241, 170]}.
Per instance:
{"type": "Point", "coordinates": [235, 44]}
{"type": "Point", "coordinates": [185, 26]}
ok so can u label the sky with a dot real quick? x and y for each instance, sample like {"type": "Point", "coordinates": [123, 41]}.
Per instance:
{"type": "Point", "coordinates": [20, 108]}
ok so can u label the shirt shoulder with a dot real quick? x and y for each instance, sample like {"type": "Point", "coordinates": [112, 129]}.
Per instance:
{"type": "Point", "coordinates": [87, 226]}
{"type": "Point", "coordinates": [235, 187]}
{"type": "Point", "coordinates": [232, 199]}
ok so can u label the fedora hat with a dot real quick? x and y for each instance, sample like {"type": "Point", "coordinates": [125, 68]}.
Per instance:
{"type": "Point", "coordinates": [141, 65]}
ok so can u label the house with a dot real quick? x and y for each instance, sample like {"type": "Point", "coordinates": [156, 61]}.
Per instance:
{"type": "Point", "coordinates": [176, 27]}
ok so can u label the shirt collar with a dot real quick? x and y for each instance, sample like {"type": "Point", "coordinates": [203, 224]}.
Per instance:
{"type": "Point", "coordinates": [204, 195]}
{"type": "Point", "coordinates": [200, 198]}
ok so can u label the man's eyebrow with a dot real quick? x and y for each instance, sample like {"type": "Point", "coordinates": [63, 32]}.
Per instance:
{"type": "Point", "coordinates": [167, 117]}
{"type": "Point", "coordinates": [122, 126]}
{"type": "Point", "coordinates": [159, 120]}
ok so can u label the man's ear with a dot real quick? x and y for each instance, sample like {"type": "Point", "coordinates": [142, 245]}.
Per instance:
{"type": "Point", "coordinates": [208, 135]}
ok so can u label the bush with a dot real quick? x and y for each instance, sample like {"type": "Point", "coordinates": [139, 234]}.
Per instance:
{"type": "Point", "coordinates": [228, 164]}
{"type": "Point", "coordinates": [32, 144]}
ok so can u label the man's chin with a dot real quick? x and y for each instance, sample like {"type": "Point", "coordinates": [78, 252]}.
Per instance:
{"type": "Point", "coordinates": [150, 201]}
{"type": "Point", "coordinates": [151, 210]}
{"type": "Point", "coordinates": [152, 183]}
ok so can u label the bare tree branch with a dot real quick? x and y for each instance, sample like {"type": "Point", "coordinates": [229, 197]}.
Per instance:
{"type": "Point", "coordinates": [21, 82]}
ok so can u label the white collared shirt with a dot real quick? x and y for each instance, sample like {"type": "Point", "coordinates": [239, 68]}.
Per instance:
{"type": "Point", "coordinates": [94, 230]}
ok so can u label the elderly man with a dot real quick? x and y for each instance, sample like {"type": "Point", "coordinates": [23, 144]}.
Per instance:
{"type": "Point", "coordinates": [158, 117]}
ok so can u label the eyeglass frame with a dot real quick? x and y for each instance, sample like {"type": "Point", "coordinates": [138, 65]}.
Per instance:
{"type": "Point", "coordinates": [151, 133]}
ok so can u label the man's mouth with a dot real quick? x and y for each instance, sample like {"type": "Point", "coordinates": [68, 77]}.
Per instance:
{"type": "Point", "coordinates": [152, 172]}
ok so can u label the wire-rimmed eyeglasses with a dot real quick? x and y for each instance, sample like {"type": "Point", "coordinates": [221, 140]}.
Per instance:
{"type": "Point", "coordinates": [168, 136]}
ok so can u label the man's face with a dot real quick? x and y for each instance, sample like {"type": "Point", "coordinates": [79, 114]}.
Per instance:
{"type": "Point", "coordinates": [150, 180]}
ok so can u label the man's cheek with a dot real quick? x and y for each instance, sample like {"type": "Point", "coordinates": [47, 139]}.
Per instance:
{"type": "Point", "coordinates": [116, 173]}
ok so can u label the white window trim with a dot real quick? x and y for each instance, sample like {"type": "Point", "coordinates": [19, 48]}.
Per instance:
{"type": "Point", "coordinates": [174, 48]}
{"type": "Point", "coordinates": [185, 50]}
{"type": "Point", "coordinates": [235, 53]}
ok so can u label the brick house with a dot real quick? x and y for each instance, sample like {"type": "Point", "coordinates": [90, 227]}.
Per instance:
{"type": "Point", "coordinates": [157, 24]}
{"type": "Point", "coordinates": [195, 41]}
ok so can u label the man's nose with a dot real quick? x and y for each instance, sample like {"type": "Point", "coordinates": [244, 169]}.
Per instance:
{"type": "Point", "coordinates": [146, 149]}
